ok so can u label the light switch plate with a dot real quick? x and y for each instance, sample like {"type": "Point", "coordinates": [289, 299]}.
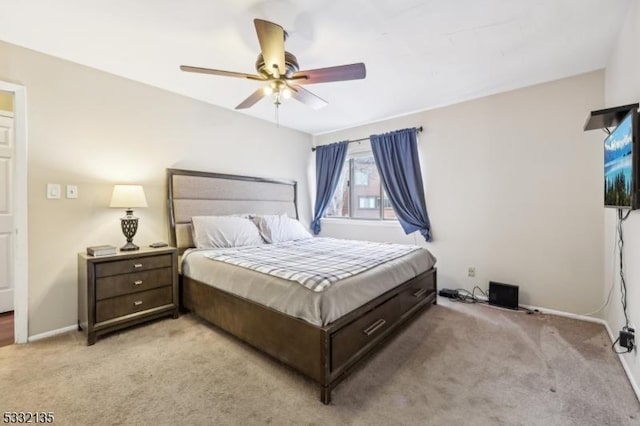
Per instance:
{"type": "Point", "coordinates": [72, 191]}
{"type": "Point", "coordinates": [53, 191]}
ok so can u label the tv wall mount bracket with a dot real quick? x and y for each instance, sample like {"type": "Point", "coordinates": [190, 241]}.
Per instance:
{"type": "Point", "coordinates": [606, 118]}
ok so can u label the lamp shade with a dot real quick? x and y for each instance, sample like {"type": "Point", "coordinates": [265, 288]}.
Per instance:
{"type": "Point", "coordinates": [128, 196]}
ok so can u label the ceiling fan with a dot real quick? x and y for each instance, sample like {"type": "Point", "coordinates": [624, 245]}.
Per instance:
{"type": "Point", "coordinates": [280, 70]}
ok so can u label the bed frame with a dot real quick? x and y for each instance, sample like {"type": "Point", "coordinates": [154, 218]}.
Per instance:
{"type": "Point", "coordinates": [325, 354]}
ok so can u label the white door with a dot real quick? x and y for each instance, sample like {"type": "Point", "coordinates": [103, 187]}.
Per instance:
{"type": "Point", "coordinates": [6, 213]}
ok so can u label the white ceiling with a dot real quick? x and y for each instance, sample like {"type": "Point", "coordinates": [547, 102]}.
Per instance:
{"type": "Point", "coordinates": [419, 54]}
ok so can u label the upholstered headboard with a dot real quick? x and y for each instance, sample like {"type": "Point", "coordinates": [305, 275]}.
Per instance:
{"type": "Point", "coordinates": [193, 193]}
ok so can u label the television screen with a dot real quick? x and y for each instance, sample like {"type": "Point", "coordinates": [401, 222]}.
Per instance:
{"type": "Point", "coordinates": [619, 177]}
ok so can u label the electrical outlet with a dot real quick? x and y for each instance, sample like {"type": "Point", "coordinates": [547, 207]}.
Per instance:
{"type": "Point", "coordinates": [471, 271]}
{"type": "Point", "coordinates": [72, 191]}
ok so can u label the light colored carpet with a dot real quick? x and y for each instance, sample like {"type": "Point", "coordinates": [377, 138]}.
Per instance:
{"type": "Point", "coordinates": [455, 365]}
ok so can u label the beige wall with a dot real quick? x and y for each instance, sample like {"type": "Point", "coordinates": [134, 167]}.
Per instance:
{"type": "Point", "coordinates": [81, 132]}
{"type": "Point", "coordinates": [622, 88]}
{"type": "Point", "coordinates": [6, 101]}
{"type": "Point", "coordinates": [514, 188]}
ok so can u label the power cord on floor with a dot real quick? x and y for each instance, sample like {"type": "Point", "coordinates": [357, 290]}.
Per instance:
{"type": "Point", "coordinates": [480, 290]}
{"type": "Point", "coordinates": [466, 296]}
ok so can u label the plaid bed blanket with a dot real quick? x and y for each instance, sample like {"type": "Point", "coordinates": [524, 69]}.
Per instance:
{"type": "Point", "coordinates": [316, 263]}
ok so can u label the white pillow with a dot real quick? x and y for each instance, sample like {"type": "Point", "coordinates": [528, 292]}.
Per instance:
{"type": "Point", "coordinates": [276, 229]}
{"type": "Point", "coordinates": [224, 231]}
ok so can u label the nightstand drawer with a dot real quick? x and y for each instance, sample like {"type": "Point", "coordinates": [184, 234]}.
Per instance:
{"type": "Point", "coordinates": [132, 265]}
{"type": "Point", "coordinates": [119, 285]}
{"type": "Point", "coordinates": [132, 303]}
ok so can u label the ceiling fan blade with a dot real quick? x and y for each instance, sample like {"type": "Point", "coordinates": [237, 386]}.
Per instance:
{"type": "Point", "coordinates": [306, 97]}
{"type": "Point", "coordinates": [252, 99]}
{"type": "Point", "coordinates": [220, 72]}
{"type": "Point", "coordinates": [271, 38]}
{"type": "Point", "coordinates": [339, 73]}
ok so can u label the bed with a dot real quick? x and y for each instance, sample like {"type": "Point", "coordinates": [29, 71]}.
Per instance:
{"type": "Point", "coordinates": [325, 349]}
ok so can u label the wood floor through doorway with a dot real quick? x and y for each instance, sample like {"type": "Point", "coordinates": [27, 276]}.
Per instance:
{"type": "Point", "coordinates": [6, 329]}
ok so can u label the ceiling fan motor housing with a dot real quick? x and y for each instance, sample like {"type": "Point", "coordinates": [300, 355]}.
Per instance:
{"type": "Point", "coordinates": [290, 63]}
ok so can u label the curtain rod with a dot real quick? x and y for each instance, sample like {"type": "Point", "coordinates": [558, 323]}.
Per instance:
{"type": "Point", "coordinates": [419, 129]}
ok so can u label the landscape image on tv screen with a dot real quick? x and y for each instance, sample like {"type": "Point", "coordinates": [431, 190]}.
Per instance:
{"type": "Point", "coordinates": [618, 148]}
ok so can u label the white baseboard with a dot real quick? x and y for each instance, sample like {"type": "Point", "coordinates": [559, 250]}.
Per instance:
{"type": "Point", "coordinates": [622, 359]}
{"type": "Point", "coordinates": [51, 333]}
{"type": "Point", "coordinates": [567, 315]}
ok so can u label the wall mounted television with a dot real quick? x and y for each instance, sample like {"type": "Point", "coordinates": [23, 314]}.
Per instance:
{"type": "Point", "coordinates": [621, 167]}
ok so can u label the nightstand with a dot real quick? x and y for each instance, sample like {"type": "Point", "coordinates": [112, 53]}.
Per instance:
{"type": "Point", "coordinates": [126, 288]}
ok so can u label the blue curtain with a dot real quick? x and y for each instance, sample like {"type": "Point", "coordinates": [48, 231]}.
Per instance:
{"type": "Point", "coordinates": [396, 156]}
{"type": "Point", "coordinates": [329, 162]}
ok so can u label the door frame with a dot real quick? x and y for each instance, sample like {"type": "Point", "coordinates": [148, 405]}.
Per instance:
{"type": "Point", "coordinates": [20, 197]}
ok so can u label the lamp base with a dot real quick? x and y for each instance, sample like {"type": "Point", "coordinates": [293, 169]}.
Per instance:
{"type": "Point", "coordinates": [129, 247]}
{"type": "Point", "coordinates": [129, 225]}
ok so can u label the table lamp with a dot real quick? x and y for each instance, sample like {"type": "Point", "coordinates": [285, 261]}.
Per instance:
{"type": "Point", "coordinates": [128, 197]}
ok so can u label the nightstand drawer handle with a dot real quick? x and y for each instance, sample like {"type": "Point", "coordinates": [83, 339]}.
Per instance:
{"type": "Point", "coordinates": [137, 303]}
{"type": "Point", "coordinates": [137, 282]}
{"type": "Point", "coordinates": [420, 292]}
{"type": "Point", "coordinates": [137, 265]}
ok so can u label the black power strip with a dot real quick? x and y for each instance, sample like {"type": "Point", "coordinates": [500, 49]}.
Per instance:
{"type": "Point", "coordinates": [451, 294]}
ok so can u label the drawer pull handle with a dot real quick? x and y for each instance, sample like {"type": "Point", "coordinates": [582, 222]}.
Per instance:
{"type": "Point", "coordinates": [137, 265]}
{"type": "Point", "coordinates": [373, 327]}
{"type": "Point", "coordinates": [137, 282]}
{"type": "Point", "coordinates": [137, 303]}
{"type": "Point", "coordinates": [420, 292]}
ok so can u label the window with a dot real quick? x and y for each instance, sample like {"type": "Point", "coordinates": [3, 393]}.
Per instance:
{"type": "Point", "coordinates": [361, 178]}
{"type": "Point", "coordinates": [368, 202]}
{"type": "Point", "coordinates": [365, 199]}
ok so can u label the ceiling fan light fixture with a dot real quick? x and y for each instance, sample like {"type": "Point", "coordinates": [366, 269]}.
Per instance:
{"type": "Point", "coordinates": [286, 93]}
{"type": "Point", "coordinates": [267, 90]}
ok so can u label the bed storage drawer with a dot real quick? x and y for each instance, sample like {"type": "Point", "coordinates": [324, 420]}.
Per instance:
{"type": "Point", "coordinates": [415, 293]}
{"type": "Point", "coordinates": [360, 335]}
{"type": "Point", "coordinates": [132, 303]}
{"type": "Point", "coordinates": [133, 265]}
{"type": "Point", "coordinates": [357, 335]}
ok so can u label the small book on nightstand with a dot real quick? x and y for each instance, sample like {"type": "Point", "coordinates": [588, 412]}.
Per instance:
{"type": "Point", "coordinates": [101, 250]}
